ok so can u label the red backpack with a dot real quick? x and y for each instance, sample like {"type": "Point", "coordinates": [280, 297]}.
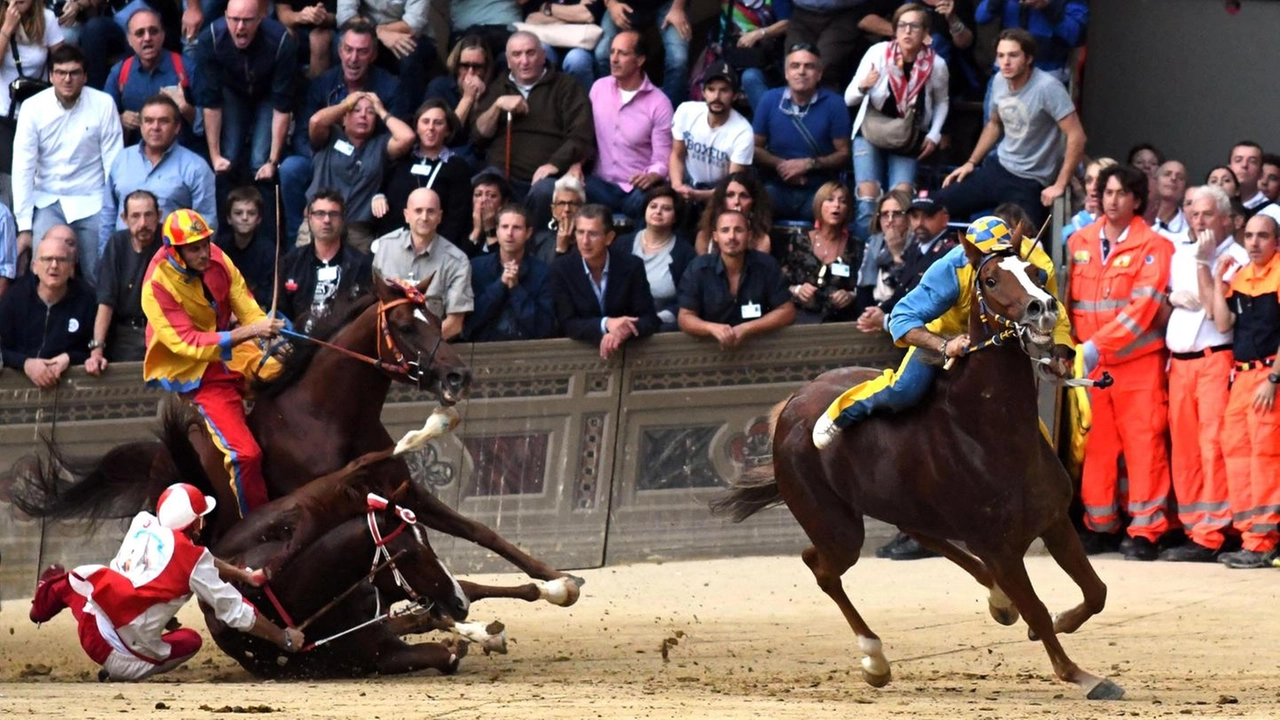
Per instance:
{"type": "Point", "coordinates": [128, 65]}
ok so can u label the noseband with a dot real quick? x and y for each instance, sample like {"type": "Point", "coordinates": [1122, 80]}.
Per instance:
{"type": "Point", "coordinates": [380, 553]}
{"type": "Point", "coordinates": [1012, 328]}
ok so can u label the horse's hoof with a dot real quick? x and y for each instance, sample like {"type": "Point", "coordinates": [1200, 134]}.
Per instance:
{"type": "Point", "coordinates": [1106, 690]}
{"type": "Point", "coordinates": [496, 643]}
{"type": "Point", "coordinates": [562, 591]}
{"type": "Point", "coordinates": [877, 681]}
{"type": "Point", "coordinates": [1004, 616]}
{"type": "Point", "coordinates": [1032, 636]}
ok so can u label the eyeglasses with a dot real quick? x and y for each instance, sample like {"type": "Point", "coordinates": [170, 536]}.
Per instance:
{"type": "Point", "coordinates": [68, 74]}
{"type": "Point", "coordinates": [326, 214]}
{"type": "Point", "coordinates": [911, 27]}
{"type": "Point", "coordinates": [54, 259]}
{"type": "Point", "coordinates": [804, 47]}
{"type": "Point", "coordinates": [478, 67]}
{"type": "Point", "coordinates": [566, 203]}
{"type": "Point", "coordinates": [891, 214]}
{"type": "Point", "coordinates": [145, 31]}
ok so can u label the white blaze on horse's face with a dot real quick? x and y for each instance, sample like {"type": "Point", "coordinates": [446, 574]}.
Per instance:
{"type": "Point", "coordinates": [421, 536]}
{"type": "Point", "coordinates": [417, 313]}
{"type": "Point", "coordinates": [1017, 267]}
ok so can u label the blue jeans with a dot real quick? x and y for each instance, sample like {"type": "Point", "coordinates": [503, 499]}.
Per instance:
{"type": "Point", "coordinates": [987, 187]}
{"type": "Point", "coordinates": [790, 202]}
{"type": "Point", "coordinates": [675, 75]}
{"type": "Point", "coordinates": [245, 120]}
{"type": "Point", "coordinates": [615, 198]}
{"type": "Point", "coordinates": [907, 388]}
{"type": "Point", "coordinates": [577, 63]}
{"type": "Point", "coordinates": [295, 177]}
{"type": "Point", "coordinates": [887, 168]}
{"type": "Point", "coordinates": [754, 85]}
{"type": "Point", "coordinates": [86, 230]}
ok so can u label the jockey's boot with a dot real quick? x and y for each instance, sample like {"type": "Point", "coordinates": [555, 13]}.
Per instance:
{"type": "Point", "coordinates": [825, 431]}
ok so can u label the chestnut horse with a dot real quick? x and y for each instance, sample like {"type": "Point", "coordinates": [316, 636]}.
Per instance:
{"type": "Point", "coordinates": [967, 465]}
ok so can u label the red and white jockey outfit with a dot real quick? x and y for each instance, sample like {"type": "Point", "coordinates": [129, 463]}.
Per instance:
{"type": "Point", "coordinates": [122, 608]}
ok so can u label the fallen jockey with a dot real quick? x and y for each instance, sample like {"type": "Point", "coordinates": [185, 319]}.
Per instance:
{"type": "Point", "coordinates": [935, 316]}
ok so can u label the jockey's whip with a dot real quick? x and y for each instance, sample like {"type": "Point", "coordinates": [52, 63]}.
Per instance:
{"type": "Point", "coordinates": [275, 285]}
{"type": "Point", "coordinates": [1039, 236]}
{"type": "Point", "coordinates": [508, 144]}
{"type": "Point", "coordinates": [1101, 383]}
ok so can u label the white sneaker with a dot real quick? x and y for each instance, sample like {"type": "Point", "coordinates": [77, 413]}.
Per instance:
{"type": "Point", "coordinates": [824, 431]}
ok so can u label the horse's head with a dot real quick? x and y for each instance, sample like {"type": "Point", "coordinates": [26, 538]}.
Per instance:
{"type": "Point", "coordinates": [1009, 290]}
{"type": "Point", "coordinates": [412, 565]}
{"type": "Point", "coordinates": [411, 339]}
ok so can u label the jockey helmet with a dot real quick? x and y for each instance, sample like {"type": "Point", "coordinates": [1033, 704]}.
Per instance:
{"type": "Point", "coordinates": [180, 504]}
{"type": "Point", "coordinates": [184, 227]}
{"type": "Point", "coordinates": [990, 235]}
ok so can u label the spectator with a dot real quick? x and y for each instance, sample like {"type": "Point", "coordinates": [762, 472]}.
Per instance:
{"type": "Point", "coordinates": [151, 70]}
{"type": "Point", "coordinates": [8, 249]}
{"type": "Point", "coordinates": [404, 40]}
{"type": "Point", "coordinates": [46, 318]}
{"type": "Point", "coordinates": [951, 31]}
{"type": "Point", "coordinates": [931, 239]}
{"type": "Point", "coordinates": [33, 30]}
{"type": "Point", "coordinates": [1119, 275]}
{"type": "Point", "coordinates": [1199, 378]}
{"type": "Point", "coordinates": [709, 305]}
{"type": "Point", "coordinates": [1224, 177]}
{"type": "Point", "coordinates": [1269, 180]}
{"type": "Point", "coordinates": [119, 330]}
{"type": "Point", "coordinates": [488, 193]}
{"type": "Point", "coordinates": [750, 34]}
{"type": "Point", "coordinates": [819, 266]}
{"type": "Point", "coordinates": [177, 177]}
{"type": "Point", "coordinates": [601, 297]}
{"type": "Point", "coordinates": [247, 65]}
{"type": "Point", "coordinates": [1056, 26]}
{"type": "Point", "coordinates": [470, 72]}
{"type": "Point", "coordinates": [431, 165]}
{"type": "Point", "coordinates": [633, 131]}
{"type": "Point", "coordinates": [802, 135]}
{"type": "Point", "coordinates": [312, 26]}
{"type": "Point", "coordinates": [512, 300]}
{"type": "Point", "coordinates": [356, 72]}
{"type": "Point", "coordinates": [1171, 191]}
{"type": "Point", "coordinates": [1248, 303]}
{"type": "Point", "coordinates": [318, 274]}
{"type": "Point", "coordinates": [709, 139]}
{"type": "Point", "coordinates": [738, 191]}
{"type": "Point", "coordinates": [670, 19]}
{"type": "Point", "coordinates": [882, 259]}
{"type": "Point", "coordinates": [1033, 113]}
{"type": "Point", "coordinates": [544, 115]}
{"type": "Point", "coordinates": [665, 256]}
{"type": "Point", "coordinates": [64, 144]}
{"type": "Point", "coordinates": [576, 62]}
{"type": "Point", "coordinates": [1092, 202]}
{"type": "Point", "coordinates": [1246, 163]}
{"type": "Point", "coordinates": [558, 239]}
{"type": "Point", "coordinates": [354, 156]}
{"type": "Point", "coordinates": [1147, 158]}
{"type": "Point", "coordinates": [900, 81]}
{"type": "Point", "coordinates": [487, 19]}
{"type": "Point", "coordinates": [243, 239]}
{"type": "Point", "coordinates": [838, 29]}
{"type": "Point", "coordinates": [417, 252]}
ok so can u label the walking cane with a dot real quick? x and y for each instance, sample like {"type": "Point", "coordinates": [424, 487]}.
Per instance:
{"type": "Point", "coordinates": [508, 145]}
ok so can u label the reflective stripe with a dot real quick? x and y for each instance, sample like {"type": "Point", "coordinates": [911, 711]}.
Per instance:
{"type": "Point", "coordinates": [1135, 508]}
{"type": "Point", "coordinates": [1266, 510]}
{"type": "Point", "coordinates": [1205, 507]}
{"type": "Point", "coordinates": [1157, 516]}
{"type": "Point", "coordinates": [1141, 342]}
{"type": "Point", "coordinates": [1099, 305]}
{"type": "Point", "coordinates": [1129, 323]}
{"type": "Point", "coordinates": [1149, 292]}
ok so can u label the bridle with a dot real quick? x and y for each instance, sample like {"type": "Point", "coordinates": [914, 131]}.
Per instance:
{"type": "Point", "coordinates": [382, 556]}
{"type": "Point", "coordinates": [1012, 328]}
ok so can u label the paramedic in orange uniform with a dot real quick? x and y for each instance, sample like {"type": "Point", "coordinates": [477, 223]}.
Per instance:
{"type": "Point", "coordinates": [1119, 275]}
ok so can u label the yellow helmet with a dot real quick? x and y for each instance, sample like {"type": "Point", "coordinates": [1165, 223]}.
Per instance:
{"type": "Point", "coordinates": [184, 227]}
{"type": "Point", "coordinates": [990, 235]}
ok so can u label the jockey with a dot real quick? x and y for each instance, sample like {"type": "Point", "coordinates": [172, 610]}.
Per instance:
{"type": "Point", "coordinates": [123, 609]}
{"type": "Point", "coordinates": [935, 315]}
{"type": "Point", "coordinates": [190, 292]}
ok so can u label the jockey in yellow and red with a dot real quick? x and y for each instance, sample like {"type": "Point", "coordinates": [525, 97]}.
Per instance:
{"type": "Point", "coordinates": [190, 293]}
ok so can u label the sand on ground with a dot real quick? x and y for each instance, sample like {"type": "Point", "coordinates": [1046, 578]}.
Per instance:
{"type": "Point", "coordinates": [755, 639]}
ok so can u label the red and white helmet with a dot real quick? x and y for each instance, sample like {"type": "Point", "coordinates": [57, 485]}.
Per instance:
{"type": "Point", "coordinates": [180, 504]}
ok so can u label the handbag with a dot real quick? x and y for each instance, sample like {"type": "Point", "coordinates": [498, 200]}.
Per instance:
{"type": "Point", "coordinates": [894, 134]}
{"type": "Point", "coordinates": [23, 87]}
{"type": "Point", "coordinates": [565, 35]}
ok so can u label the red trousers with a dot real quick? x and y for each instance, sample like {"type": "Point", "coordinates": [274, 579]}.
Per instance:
{"type": "Point", "coordinates": [1198, 392]}
{"type": "Point", "coordinates": [218, 399]}
{"type": "Point", "coordinates": [1251, 445]}
{"type": "Point", "coordinates": [1129, 418]}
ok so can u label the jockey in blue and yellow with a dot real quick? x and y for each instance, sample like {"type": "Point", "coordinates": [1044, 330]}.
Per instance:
{"type": "Point", "coordinates": [935, 315]}
{"type": "Point", "coordinates": [190, 294]}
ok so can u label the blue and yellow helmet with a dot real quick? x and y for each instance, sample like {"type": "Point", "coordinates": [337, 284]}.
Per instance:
{"type": "Point", "coordinates": [990, 235]}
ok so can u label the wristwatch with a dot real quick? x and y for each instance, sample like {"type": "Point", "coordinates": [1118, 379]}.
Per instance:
{"type": "Point", "coordinates": [94, 344]}
{"type": "Point", "coordinates": [288, 641]}
{"type": "Point", "coordinates": [546, 9]}
{"type": "Point", "coordinates": [1274, 378]}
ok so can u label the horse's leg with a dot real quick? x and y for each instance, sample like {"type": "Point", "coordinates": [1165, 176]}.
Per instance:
{"type": "Point", "coordinates": [1063, 544]}
{"type": "Point", "coordinates": [998, 604]}
{"type": "Point", "coordinates": [395, 656]}
{"type": "Point", "coordinates": [441, 517]}
{"type": "Point", "coordinates": [529, 592]}
{"type": "Point", "coordinates": [492, 637]}
{"type": "Point", "coordinates": [828, 567]}
{"type": "Point", "coordinates": [1011, 574]}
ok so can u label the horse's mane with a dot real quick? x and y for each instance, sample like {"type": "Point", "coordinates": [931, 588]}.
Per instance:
{"type": "Point", "coordinates": [302, 353]}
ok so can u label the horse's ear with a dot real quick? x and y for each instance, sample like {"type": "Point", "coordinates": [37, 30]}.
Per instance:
{"type": "Point", "coordinates": [971, 251]}
{"type": "Point", "coordinates": [379, 286]}
{"type": "Point", "coordinates": [425, 283]}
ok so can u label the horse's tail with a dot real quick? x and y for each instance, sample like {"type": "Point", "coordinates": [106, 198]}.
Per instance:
{"type": "Point", "coordinates": [757, 488]}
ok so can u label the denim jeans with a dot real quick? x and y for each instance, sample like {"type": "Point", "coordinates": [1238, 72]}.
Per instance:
{"type": "Point", "coordinates": [675, 76]}
{"type": "Point", "coordinates": [754, 85]}
{"type": "Point", "coordinates": [790, 202]}
{"type": "Point", "coordinates": [887, 168]}
{"type": "Point", "coordinates": [86, 230]}
{"type": "Point", "coordinates": [295, 177]}
{"type": "Point", "coordinates": [907, 388]}
{"type": "Point", "coordinates": [245, 123]}
{"type": "Point", "coordinates": [615, 198]}
{"type": "Point", "coordinates": [577, 63]}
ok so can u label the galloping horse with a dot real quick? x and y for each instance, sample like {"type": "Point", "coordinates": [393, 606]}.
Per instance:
{"type": "Point", "coordinates": [968, 464]}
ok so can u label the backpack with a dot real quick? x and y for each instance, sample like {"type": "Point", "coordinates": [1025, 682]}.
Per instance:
{"type": "Point", "coordinates": [128, 65]}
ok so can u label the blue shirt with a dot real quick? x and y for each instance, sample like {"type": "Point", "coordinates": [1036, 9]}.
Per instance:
{"type": "Point", "coordinates": [262, 72]}
{"type": "Point", "coordinates": [182, 179]}
{"type": "Point", "coordinates": [599, 289]}
{"type": "Point", "coordinates": [8, 243]}
{"type": "Point", "coordinates": [524, 312]}
{"type": "Point", "coordinates": [1057, 29]}
{"type": "Point", "coordinates": [825, 117]}
{"type": "Point", "coordinates": [938, 292]}
{"type": "Point", "coordinates": [142, 84]}
{"type": "Point", "coordinates": [330, 89]}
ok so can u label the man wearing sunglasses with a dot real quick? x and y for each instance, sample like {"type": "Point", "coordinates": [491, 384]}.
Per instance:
{"type": "Point", "coordinates": [149, 71]}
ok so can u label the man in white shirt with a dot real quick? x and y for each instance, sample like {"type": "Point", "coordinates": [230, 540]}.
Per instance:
{"type": "Point", "coordinates": [67, 138]}
{"type": "Point", "coordinates": [1246, 163]}
{"type": "Point", "coordinates": [1199, 379]}
{"type": "Point", "coordinates": [1168, 219]}
{"type": "Point", "coordinates": [709, 139]}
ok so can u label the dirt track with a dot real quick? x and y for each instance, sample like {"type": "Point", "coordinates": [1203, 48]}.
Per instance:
{"type": "Point", "coordinates": [756, 640]}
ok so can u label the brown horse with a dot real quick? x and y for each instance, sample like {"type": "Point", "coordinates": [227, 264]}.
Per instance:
{"type": "Point", "coordinates": [967, 465]}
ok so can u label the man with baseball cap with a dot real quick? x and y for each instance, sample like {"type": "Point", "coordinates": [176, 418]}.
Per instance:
{"type": "Point", "coordinates": [709, 139]}
{"type": "Point", "coordinates": [122, 608]}
{"type": "Point", "coordinates": [190, 293]}
{"type": "Point", "coordinates": [933, 239]}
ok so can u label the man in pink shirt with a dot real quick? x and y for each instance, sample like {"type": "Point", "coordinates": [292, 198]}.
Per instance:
{"type": "Point", "coordinates": [633, 130]}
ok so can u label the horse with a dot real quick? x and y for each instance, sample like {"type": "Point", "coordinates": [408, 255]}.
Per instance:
{"type": "Point", "coordinates": [968, 464]}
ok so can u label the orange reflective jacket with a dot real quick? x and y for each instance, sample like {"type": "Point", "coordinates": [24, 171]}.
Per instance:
{"type": "Point", "coordinates": [1117, 303]}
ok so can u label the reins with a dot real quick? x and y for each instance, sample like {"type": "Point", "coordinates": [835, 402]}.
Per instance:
{"type": "Point", "coordinates": [399, 365]}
